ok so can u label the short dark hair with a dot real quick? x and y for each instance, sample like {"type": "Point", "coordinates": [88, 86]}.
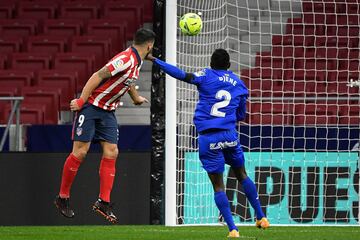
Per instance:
{"type": "Point", "coordinates": [143, 35]}
{"type": "Point", "coordinates": [220, 59]}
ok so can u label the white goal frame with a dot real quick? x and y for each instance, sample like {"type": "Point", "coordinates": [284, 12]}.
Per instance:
{"type": "Point", "coordinates": [170, 116]}
{"type": "Point", "coordinates": [171, 208]}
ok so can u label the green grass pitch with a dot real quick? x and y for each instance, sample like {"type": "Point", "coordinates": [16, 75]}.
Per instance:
{"type": "Point", "coordinates": [178, 233]}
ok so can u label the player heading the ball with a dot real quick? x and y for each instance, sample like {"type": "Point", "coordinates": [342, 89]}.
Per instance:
{"type": "Point", "coordinates": [222, 103]}
{"type": "Point", "coordinates": [95, 121]}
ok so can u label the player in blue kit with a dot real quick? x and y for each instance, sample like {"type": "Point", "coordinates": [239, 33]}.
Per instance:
{"type": "Point", "coordinates": [222, 103]}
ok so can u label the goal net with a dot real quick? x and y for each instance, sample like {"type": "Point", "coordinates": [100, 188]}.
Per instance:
{"type": "Point", "coordinates": [301, 135]}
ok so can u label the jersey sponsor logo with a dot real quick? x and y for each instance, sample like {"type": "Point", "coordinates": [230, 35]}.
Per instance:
{"type": "Point", "coordinates": [79, 131]}
{"type": "Point", "coordinates": [223, 145]}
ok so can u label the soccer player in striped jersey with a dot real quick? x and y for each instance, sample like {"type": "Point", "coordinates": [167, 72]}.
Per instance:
{"type": "Point", "coordinates": [95, 121]}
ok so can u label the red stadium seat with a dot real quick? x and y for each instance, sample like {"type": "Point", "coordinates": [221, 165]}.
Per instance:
{"type": "Point", "coordinates": [315, 64]}
{"type": "Point", "coordinates": [7, 91]}
{"type": "Point", "coordinates": [270, 114]}
{"type": "Point", "coordinates": [347, 20]}
{"type": "Point", "coordinates": [315, 114]}
{"type": "Point", "coordinates": [7, 10]}
{"type": "Point", "coordinates": [131, 14]}
{"type": "Point", "coordinates": [342, 76]}
{"type": "Point", "coordinates": [16, 78]}
{"type": "Point", "coordinates": [30, 113]}
{"type": "Point", "coordinates": [265, 59]}
{"type": "Point", "coordinates": [18, 27]}
{"type": "Point", "coordinates": [30, 61]}
{"type": "Point", "coordinates": [314, 88]}
{"type": "Point", "coordinates": [46, 44]}
{"type": "Point", "coordinates": [311, 18]}
{"type": "Point", "coordinates": [293, 88]}
{"type": "Point", "coordinates": [293, 40]}
{"type": "Point", "coordinates": [10, 44]}
{"type": "Point", "coordinates": [352, 8]}
{"type": "Point", "coordinates": [350, 65]}
{"type": "Point", "coordinates": [62, 27]}
{"type": "Point", "coordinates": [340, 7]}
{"type": "Point", "coordinates": [288, 51]}
{"type": "Point", "coordinates": [333, 41]}
{"type": "Point", "coordinates": [349, 115]}
{"type": "Point", "coordinates": [261, 73]}
{"type": "Point", "coordinates": [96, 45]}
{"type": "Point", "coordinates": [147, 5]}
{"type": "Point", "coordinates": [79, 10]}
{"type": "Point", "coordinates": [306, 75]}
{"type": "Point", "coordinates": [82, 63]}
{"type": "Point", "coordinates": [352, 31]}
{"type": "Point", "coordinates": [321, 7]}
{"type": "Point", "coordinates": [296, 26]}
{"type": "Point", "coordinates": [278, 40]}
{"type": "Point", "coordinates": [341, 53]}
{"type": "Point", "coordinates": [3, 61]}
{"type": "Point", "coordinates": [37, 10]}
{"type": "Point", "coordinates": [259, 84]}
{"type": "Point", "coordinates": [48, 97]}
{"type": "Point", "coordinates": [110, 28]}
{"type": "Point", "coordinates": [341, 88]}
{"type": "Point", "coordinates": [65, 81]}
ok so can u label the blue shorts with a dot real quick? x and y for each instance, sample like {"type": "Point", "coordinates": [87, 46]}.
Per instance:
{"type": "Point", "coordinates": [95, 124]}
{"type": "Point", "coordinates": [220, 147]}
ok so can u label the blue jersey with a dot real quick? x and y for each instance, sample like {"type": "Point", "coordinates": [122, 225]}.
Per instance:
{"type": "Point", "coordinates": [222, 99]}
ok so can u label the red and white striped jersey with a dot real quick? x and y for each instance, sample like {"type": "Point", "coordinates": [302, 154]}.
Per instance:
{"type": "Point", "coordinates": [124, 69]}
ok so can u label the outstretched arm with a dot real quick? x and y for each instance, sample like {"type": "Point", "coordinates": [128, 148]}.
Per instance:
{"type": "Point", "coordinates": [173, 71]}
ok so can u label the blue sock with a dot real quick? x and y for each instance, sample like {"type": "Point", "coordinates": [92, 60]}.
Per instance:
{"type": "Point", "coordinates": [252, 195]}
{"type": "Point", "coordinates": [223, 205]}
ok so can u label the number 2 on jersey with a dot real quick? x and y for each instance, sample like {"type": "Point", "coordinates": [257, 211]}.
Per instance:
{"type": "Point", "coordinates": [215, 108]}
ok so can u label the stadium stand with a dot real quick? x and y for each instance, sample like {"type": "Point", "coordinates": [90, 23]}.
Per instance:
{"type": "Point", "coordinates": [47, 46]}
{"type": "Point", "coordinates": [320, 46]}
{"type": "Point", "coordinates": [7, 9]}
{"type": "Point", "coordinates": [316, 56]}
{"type": "Point", "coordinates": [10, 44]}
{"type": "Point", "coordinates": [3, 61]}
{"type": "Point", "coordinates": [79, 10]}
{"type": "Point", "coordinates": [18, 27]}
{"type": "Point", "coordinates": [36, 10]}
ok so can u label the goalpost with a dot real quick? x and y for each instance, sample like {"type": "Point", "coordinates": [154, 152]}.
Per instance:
{"type": "Point", "coordinates": [300, 61]}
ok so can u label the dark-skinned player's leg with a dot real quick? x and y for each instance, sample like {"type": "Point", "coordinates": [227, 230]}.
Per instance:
{"type": "Point", "coordinates": [213, 162]}
{"type": "Point", "coordinates": [252, 195]}
{"type": "Point", "coordinates": [221, 200]}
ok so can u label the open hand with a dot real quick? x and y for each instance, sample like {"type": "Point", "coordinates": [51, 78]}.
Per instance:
{"type": "Point", "coordinates": [140, 100]}
{"type": "Point", "coordinates": [76, 105]}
